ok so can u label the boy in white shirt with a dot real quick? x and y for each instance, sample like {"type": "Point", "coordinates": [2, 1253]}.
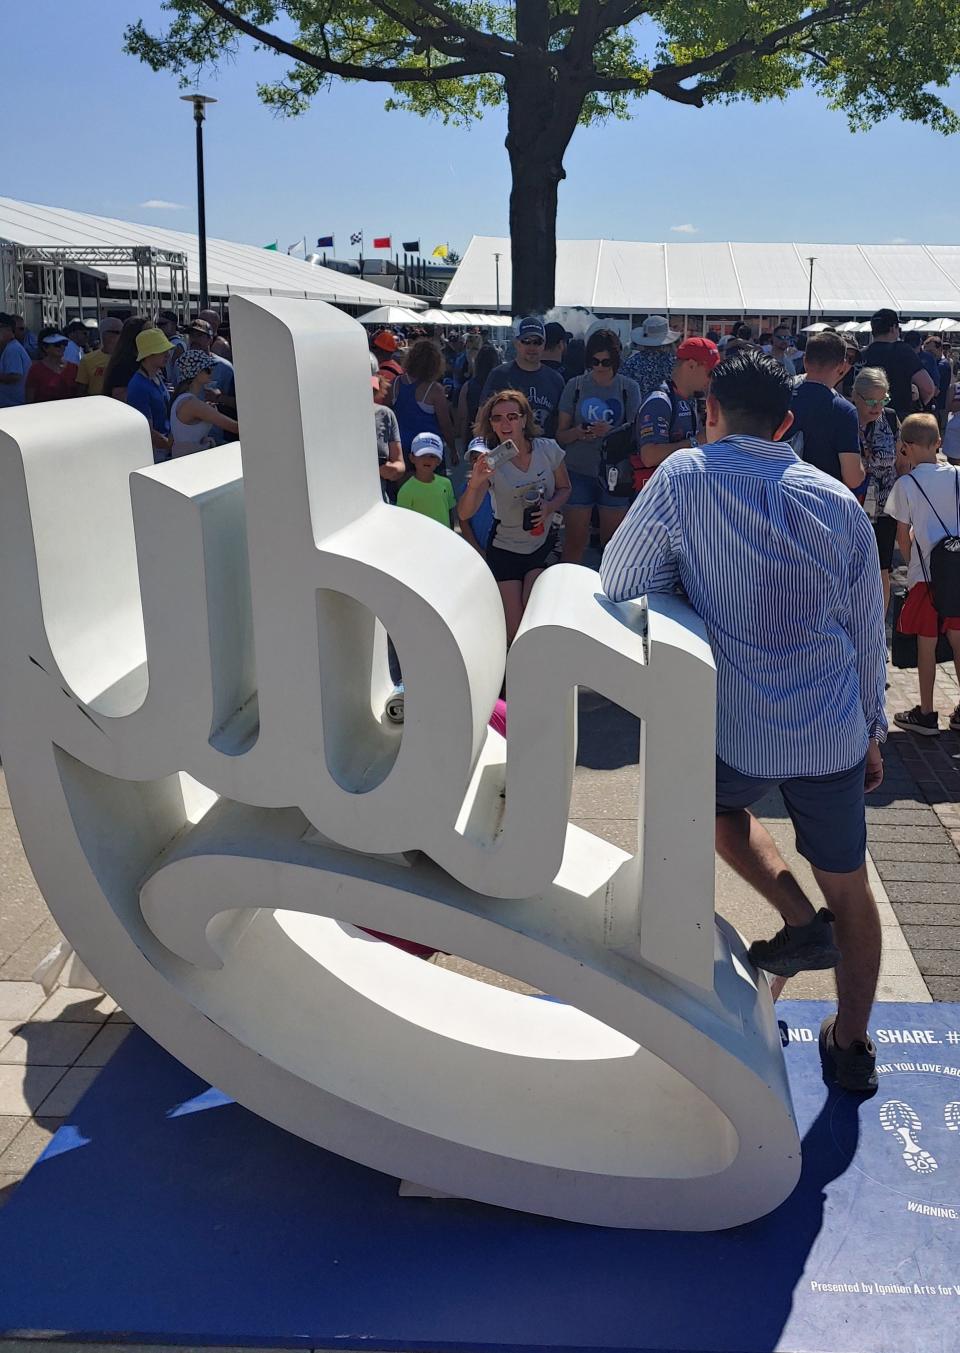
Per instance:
{"type": "Point", "coordinates": [926, 504]}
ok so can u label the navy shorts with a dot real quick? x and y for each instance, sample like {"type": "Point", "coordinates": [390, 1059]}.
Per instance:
{"type": "Point", "coordinates": [827, 811]}
{"type": "Point", "coordinates": [587, 491]}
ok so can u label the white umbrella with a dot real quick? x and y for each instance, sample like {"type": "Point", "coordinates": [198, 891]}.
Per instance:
{"type": "Point", "coordinates": [492, 321]}
{"type": "Point", "coordinates": [852, 326]}
{"type": "Point", "coordinates": [817, 328]}
{"type": "Point", "coordinates": [391, 314]}
{"type": "Point", "coordinates": [434, 317]}
{"type": "Point", "coordinates": [942, 326]}
{"type": "Point", "coordinates": [913, 324]}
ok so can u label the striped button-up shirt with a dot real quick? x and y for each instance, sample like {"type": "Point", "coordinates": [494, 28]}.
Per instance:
{"type": "Point", "coordinates": [780, 562]}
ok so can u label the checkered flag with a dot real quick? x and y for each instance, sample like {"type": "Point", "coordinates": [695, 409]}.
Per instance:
{"type": "Point", "coordinates": [356, 237]}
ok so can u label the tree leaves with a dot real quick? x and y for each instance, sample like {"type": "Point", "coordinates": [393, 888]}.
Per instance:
{"type": "Point", "coordinates": [453, 58]}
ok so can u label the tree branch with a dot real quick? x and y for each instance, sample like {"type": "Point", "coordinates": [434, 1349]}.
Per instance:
{"type": "Point", "coordinates": [430, 36]}
{"type": "Point", "coordinates": [474, 38]}
{"type": "Point", "coordinates": [396, 75]}
{"type": "Point", "coordinates": [666, 79]}
{"type": "Point", "coordinates": [586, 30]}
{"type": "Point", "coordinates": [623, 12]}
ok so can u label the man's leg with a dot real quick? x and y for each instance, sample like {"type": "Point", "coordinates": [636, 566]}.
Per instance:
{"type": "Point", "coordinates": [856, 929]}
{"type": "Point", "coordinates": [744, 843]}
{"type": "Point", "coordinates": [828, 813]}
{"type": "Point", "coordinates": [806, 940]}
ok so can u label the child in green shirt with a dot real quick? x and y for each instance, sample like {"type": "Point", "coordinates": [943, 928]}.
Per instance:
{"type": "Point", "coordinates": [428, 493]}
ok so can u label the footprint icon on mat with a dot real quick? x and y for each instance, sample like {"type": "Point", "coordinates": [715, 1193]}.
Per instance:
{"type": "Point", "coordinates": [900, 1118]}
{"type": "Point", "coordinates": [951, 1116]}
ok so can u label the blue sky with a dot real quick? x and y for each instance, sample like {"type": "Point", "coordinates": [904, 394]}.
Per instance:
{"type": "Point", "coordinates": [97, 131]}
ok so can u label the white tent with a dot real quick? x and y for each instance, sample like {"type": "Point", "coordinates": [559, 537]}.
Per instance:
{"type": "Point", "coordinates": [240, 268]}
{"type": "Point", "coordinates": [390, 314]}
{"type": "Point", "coordinates": [814, 328]}
{"type": "Point", "coordinates": [705, 278]}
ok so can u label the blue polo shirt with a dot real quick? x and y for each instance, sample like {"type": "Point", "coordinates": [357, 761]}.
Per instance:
{"type": "Point", "coordinates": [150, 397]}
{"type": "Point", "coordinates": [825, 427]}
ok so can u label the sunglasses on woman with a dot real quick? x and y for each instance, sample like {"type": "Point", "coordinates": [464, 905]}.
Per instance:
{"type": "Point", "coordinates": [875, 403]}
{"type": "Point", "coordinates": [601, 361]}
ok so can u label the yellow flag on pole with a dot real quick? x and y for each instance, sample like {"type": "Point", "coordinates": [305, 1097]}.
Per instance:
{"type": "Point", "coordinates": [441, 251]}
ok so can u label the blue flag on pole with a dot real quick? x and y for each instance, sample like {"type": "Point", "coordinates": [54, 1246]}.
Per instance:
{"type": "Point", "coordinates": [325, 242]}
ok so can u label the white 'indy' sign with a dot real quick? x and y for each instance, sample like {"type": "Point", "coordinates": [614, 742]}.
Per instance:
{"type": "Point", "coordinates": [192, 683]}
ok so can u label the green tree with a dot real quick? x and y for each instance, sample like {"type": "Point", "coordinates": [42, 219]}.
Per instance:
{"type": "Point", "coordinates": [559, 64]}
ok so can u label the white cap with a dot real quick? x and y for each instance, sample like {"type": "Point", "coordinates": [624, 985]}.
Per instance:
{"type": "Point", "coordinates": [427, 444]}
{"type": "Point", "coordinates": [478, 444]}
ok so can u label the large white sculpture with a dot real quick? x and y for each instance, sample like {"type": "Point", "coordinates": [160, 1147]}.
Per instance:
{"type": "Point", "coordinates": [191, 721]}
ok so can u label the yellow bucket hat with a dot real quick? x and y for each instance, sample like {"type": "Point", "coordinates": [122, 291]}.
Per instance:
{"type": "Point", "coordinates": [151, 342]}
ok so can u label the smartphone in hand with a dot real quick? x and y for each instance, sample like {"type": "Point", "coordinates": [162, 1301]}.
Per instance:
{"type": "Point", "coordinates": [501, 454]}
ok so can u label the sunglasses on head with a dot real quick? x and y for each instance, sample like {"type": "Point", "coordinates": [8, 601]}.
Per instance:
{"type": "Point", "coordinates": [601, 361]}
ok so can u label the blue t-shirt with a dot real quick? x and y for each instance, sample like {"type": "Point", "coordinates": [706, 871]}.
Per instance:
{"type": "Point", "coordinates": [825, 427]}
{"type": "Point", "coordinates": [662, 419]}
{"type": "Point", "coordinates": [150, 397]}
{"type": "Point", "coordinates": [481, 523]}
{"type": "Point", "coordinates": [222, 375]}
{"type": "Point", "coordinates": [14, 361]}
{"type": "Point", "coordinates": [929, 364]}
{"type": "Point", "coordinates": [542, 388]}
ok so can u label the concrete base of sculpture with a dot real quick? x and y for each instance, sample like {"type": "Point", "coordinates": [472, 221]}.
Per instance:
{"type": "Point", "coordinates": [192, 684]}
{"type": "Point", "coordinates": [211, 1226]}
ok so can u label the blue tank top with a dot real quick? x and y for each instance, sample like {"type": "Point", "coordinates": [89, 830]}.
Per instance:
{"type": "Point", "coordinates": [412, 415]}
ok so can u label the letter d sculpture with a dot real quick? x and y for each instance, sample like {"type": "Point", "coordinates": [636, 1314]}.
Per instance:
{"type": "Point", "coordinates": [193, 677]}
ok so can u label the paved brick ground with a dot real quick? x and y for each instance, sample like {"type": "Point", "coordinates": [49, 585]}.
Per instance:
{"type": "Point", "coordinates": [915, 833]}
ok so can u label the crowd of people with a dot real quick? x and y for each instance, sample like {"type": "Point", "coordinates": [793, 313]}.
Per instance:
{"type": "Point", "coordinates": [180, 377]}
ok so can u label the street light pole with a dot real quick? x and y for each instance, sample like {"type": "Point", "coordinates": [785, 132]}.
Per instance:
{"type": "Point", "coordinates": [496, 263]}
{"type": "Point", "coordinates": [199, 101]}
{"type": "Point", "coordinates": [811, 261]}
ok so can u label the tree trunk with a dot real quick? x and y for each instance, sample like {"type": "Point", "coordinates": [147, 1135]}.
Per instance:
{"type": "Point", "coordinates": [540, 123]}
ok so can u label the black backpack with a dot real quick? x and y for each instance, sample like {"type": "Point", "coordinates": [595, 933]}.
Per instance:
{"type": "Point", "coordinates": [622, 472]}
{"type": "Point", "coordinates": [942, 571]}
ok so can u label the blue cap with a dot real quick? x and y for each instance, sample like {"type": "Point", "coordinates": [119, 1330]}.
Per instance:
{"type": "Point", "coordinates": [427, 444]}
{"type": "Point", "coordinates": [531, 327]}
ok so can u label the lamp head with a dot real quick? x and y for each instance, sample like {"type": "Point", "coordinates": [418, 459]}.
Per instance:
{"type": "Point", "coordinates": [198, 101]}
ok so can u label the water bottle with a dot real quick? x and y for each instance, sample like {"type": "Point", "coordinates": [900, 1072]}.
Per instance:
{"type": "Point", "coordinates": [532, 502]}
{"type": "Point", "coordinates": [871, 500]}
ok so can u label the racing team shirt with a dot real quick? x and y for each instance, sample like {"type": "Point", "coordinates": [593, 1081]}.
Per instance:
{"type": "Point", "coordinates": [665, 416]}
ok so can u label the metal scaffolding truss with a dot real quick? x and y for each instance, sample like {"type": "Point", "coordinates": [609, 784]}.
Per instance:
{"type": "Point", "coordinates": [51, 260]}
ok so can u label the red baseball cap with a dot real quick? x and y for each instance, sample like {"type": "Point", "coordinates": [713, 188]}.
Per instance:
{"type": "Point", "coordinates": [701, 350]}
{"type": "Point", "coordinates": [385, 340]}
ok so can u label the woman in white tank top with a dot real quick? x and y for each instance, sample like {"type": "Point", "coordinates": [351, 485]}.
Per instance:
{"type": "Point", "coordinates": [191, 416]}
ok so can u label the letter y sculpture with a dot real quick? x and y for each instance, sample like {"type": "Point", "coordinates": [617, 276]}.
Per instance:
{"type": "Point", "coordinates": [192, 683]}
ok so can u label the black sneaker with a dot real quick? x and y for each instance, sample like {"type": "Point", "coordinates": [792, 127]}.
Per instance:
{"type": "Point", "coordinates": [853, 1068]}
{"type": "Point", "coordinates": [798, 948]}
{"type": "Point", "coordinates": [955, 720]}
{"type": "Point", "coordinates": [928, 725]}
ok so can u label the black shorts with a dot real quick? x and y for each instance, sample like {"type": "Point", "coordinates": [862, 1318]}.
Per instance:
{"type": "Point", "coordinates": [885, 529]}
{"type": "Point", "coordinates": [509, 567]}
{"type": "Point", "coordinates": [827, 811]}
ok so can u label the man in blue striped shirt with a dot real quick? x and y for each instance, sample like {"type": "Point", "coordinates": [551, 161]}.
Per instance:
{"type": "Point", "coordinates": [780, 562]}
